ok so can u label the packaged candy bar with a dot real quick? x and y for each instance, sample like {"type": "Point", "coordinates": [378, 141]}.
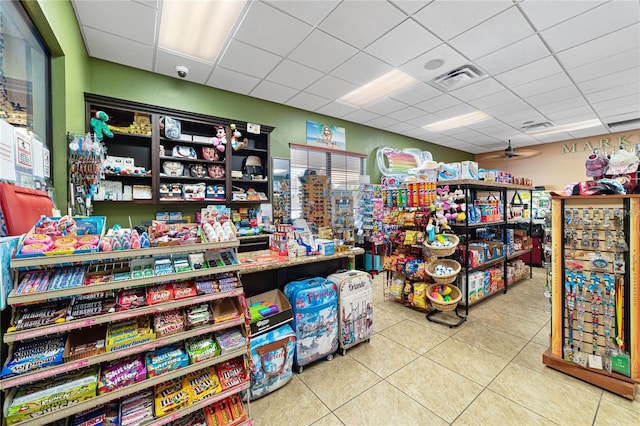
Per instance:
{"type": "Point", "coordinates": [171, 396]}
{"type": "Point", "coordinates": [205, 286]}
{"type": "Point", "coordinates": [82, 344]}
{"type": "Point", "coordinates": [103, 415]}
{"type": "Point", "coordinates": [166, 323]}
{"type": "Point", "coordinates": [128, 329]}
{"type": "Point", "coordinates": [194, 419]}
{"type": "Point", "coordinates": [202, 348]}
{"type": "Point", "coordinates": [197, 316]}
{"type": "Point", "coordinates": [131, 298]}
{"type": "Point", "coordinates": [137, 409]}
{"type": "Point", "coordinates": [83, 308]}
{"type": "Point", "coordinates": [226, 309]}
{"type": "Point", "coordinates": [166, 359]}
{"type": "Point", "coordinates": [159, 294]}
{"type": "Point", "coordinates": [120, 373]}
{"type": "Point", "coordinates": [231, 373]}
{"type": "Point", "coordinates": [68, 278]}
{"type": "Point", "coordinates": [230, 339]}
{"type": "Point", "coordinates": [184, 289]}
{"type": "Point", "coordinates": [30, 356]}
{"type": "Point", "coordinates": [34, 282]}
{"type": "Point", "coordinates": [31, 316]}
{"type": "Point", "coordinates": [204, 383]}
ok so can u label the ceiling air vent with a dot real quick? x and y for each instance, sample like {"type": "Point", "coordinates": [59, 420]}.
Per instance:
{"type": "Point", "coordinates": [538, 126]}
{"type": "Point", "coordinates": [634, 123]}
{"type": "Point", "coordinates": [458, 77]}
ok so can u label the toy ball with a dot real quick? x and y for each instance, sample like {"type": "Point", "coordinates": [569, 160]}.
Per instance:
{"type": "Point", "coordinates": [446, 291]}
{"type": "Point", "coordinates": [437, 296]}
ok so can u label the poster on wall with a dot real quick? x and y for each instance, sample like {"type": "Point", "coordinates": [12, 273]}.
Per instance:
{"type": "Point", "coordinates": [7, 152]}
{"type": "Point", "coordinates": [326, 135]}
{"type": "Point", "coordinates": [24, 156]}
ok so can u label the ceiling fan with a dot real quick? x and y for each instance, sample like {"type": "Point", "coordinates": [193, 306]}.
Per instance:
{"type": "Point", "coordinates": [510, 153]}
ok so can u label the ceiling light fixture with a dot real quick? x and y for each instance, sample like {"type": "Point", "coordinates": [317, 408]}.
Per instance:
{"type": "Point", "coordinates": [434, 64]}
{"type": "Point", "coordinates": [375, 90]}
{"type": "Point", "coordinates": [198, 28]}
{"type": "Point", "coordinates": [566, 127]}
{"type": "Point", "coordinates": [459, 121]}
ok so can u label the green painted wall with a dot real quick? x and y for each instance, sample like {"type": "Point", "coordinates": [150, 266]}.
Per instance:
{"type": "Point", "coordinates": [70, 76]}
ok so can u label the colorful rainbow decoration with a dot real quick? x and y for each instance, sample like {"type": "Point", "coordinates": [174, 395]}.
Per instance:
{"type": "Point", "coordinates": [393, 162]}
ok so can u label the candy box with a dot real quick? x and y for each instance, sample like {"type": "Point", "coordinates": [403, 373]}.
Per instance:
{"type": "Point", "coordinates": [167, 323]}
{"type": "Point", "coordinates": [166, 359]}
{"type": "Point", "coordinates": [275, 298]}
{"type": "Point", "coordinates": [198, 316]}
{"type": "Point", "coordinates": [204, 383]}
{"type": "Point", "coordinates": [231, 373]}
{"type": "Point", "coordinates": [32, 316]}
{"type": "Point", "coordinates": [226, 309]}
{"type": "Point", "coordinates": [44, 397]}
{"type": "Point", "coordinates": [184, 289]}
{"type": "Point", "coordinates": [32, 355]}
{"type": "Point", "coordinates": [230, 340]}
{"type": "Point", "coordinates": [171, 396]}
{"type": "Point", "coordinates": [81, 344]}
{"type": "Point", "coordinates": [160, 293]}
{"type": "Point", "coordinates": [136, 409]}
{"type": "Point", "coordinates": [103, 415]}
{"type": "Point", "coordinates": [120, 373]}
{"type": "Point", "coordinates": [202, 348]}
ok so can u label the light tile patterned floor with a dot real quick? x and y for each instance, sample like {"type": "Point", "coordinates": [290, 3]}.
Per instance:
{"type": "Point", "coordinates": [489, 371]}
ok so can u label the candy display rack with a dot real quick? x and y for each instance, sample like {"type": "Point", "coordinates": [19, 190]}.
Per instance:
{"type": "Point", "coordinates": [91, 324]}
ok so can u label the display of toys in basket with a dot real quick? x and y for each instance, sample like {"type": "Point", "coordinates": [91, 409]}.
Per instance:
{"type": "Point", "coordinates": [444, 297]}
{"type": "Point", "coordinates": [442, 293]}
{"type": "Point", "coordinates": [119, 239]}
{"type": "Point", "coordinates": [443, 244]}
{"type": "Point", "coordinates": [443, 271]}
{"type": "Point", "coordinates": [62, 235]}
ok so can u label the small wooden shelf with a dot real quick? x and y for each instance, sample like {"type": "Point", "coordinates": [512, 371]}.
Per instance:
{"type": "Point", "coordinates": [189, 178]}
{"type": "Point", "coordinates": [117, 176]}
{"type": "Point", "coordinates": [191, 160]}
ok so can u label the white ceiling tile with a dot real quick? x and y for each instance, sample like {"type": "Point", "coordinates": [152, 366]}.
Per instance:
{"type": "Point", "coordinates": [438, 103]}
{"type": "Point", "coordinates": [292, 74]}
{"type": "Point", "coordinates": [517, 119]}
{"type": "Point", "coordinates": [474, 149]}
{"type": "Point", "coordinates": [417, 132]}
{"type": "Point", "coordinates": [120, 50]}
{"type": "Point", "coordinates": [232, 81]}
{"type": "Point", "coordinates": [150, 3]}
{"type": "Point", "coordinates": [360, 116]}
{"type": "Point", "coordinates": [382, 122]}
{"type": "Point", "coordinates": [248, 59]}
{"type": "Point", "coordinates": [451, 58]}
{"type": "Point", "coordinates": [568, 92]}
{"type": "Point", "coordinates": [336, 109]}
{"type": "Point", "coordinates": [423, 119]}
{"type": "Point", "coordinates": [322, 51]}
{"type": "Point", "coordinates": [410, 6]}
{"type": "Point", "coordinates": [491, 122]}
{"type": "Point", "coordinates": [330, 87]}
{"type": "Point", "coordinates": [583, 113]}
{"type": "Point", "coordinates": [403, 43]}
{"type": "Point", "coordinates": [594, 23]}
{"type": "Point", "coordinates": [554, 137]}
{"type": "Point", "coordinates": [477, 90]}
{"type": "Point", "coordinates": [499, 31]}
{"type": "Point", "coordinates": [307, 101]}
{"type": "Point", "coordinates": [402, 128]}
{"type": "Point", "coordinates": [615, 92]}
{"type": "Point", "coordinates": [361, 69]}
{"type": "Point", "coordinates": [498, 110]}
{"type": "Point", "coordinates": [361, 22]}
{"type": "Point", "coordinates": [273, 92]}
{"type": "Point", "coordinates": [310, 11]}
{"type": "Point", "coordinates": [447, 19]}
{"type": "Point", "coordinates": [456, 110]}
{"type": "Point", "coordinates": [632, 100]}
{"type": "Point", "coordinates": [522, 139]}
{"type": "Point", "coordinates": [407, 113]}
{"type": "Point", "coordinates": [271, 30]}
{"type": "Point", "coordinates": [591, 131]}
{"type": "Point", "coordinates": [129, 19]}
{"type": "Point", "coordinates": [606, 66]}
{"type": "Point", "coordinates": [489, 142]}
{"type": "Point", "coordinates": [614, 118]}
{"type": "Point", "coordinates": [416, 94]}
{"type": "Point", "coordinates": [543, 85]}
{"type": "Point", "coordinates": [494, 99]}
{"type": "Point", "coordinates": [386, 106]}
{"type": "Point", "coordinates": [530, 72]}
{"type": "Point", "coordinates": [563, 105]}
{"type": "Point", "coordinates": [520, 53]}
{"type": "Point", "coordinates": [545, 13]}
{"type": "Point", "coordinates": [165, 63]}
{"type": "Point", "coordinates": [608, 45]}
{"type": "Point", "coordinates": [621, 78]}
{"type": "Point", "coordinates": [620, 110]}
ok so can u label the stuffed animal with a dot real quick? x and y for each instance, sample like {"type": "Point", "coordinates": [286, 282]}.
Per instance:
{"type": "Point", "coordinates": [220, 139]}
{"type": "Point", "coordinates": [236, 143]}
{"type": "Point", "coordinates": [99, 125]}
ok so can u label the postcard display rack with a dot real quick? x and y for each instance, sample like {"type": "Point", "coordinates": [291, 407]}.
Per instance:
{"type": "Point", "coordinates": [210, 308]}
{"type": "Point", "coordinates": [595, 320]}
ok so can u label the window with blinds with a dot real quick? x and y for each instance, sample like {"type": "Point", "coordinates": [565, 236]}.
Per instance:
{"type": "Point", "coordinates": [342, 167]}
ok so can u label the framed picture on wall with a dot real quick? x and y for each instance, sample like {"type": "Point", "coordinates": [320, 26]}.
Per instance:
{"type": "Point", "coordinates": [326, 135]}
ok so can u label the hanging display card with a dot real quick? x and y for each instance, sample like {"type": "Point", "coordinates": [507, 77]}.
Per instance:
{"type": "Point", "coordinates": [7, 152]}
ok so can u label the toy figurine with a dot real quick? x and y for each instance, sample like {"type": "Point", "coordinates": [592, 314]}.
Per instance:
{"type": "Point", "coordinates": [99, 125]}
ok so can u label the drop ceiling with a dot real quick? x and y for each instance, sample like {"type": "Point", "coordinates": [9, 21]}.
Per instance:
{"type": "Point", "coordinates": [540, 61]}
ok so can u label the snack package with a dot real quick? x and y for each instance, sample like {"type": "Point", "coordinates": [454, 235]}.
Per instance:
{"type": "Point", "coordinates": [137, 408]}
{"type": "Point", "coordinates": [230, 339]}
{"type": "Point", "coordinates": [81, 344]}
{"type": "Point", "coordinates": [103, 415]}
{"type": "Point", "coordinates": [166, 323]}
{"type": "Point", "coordinates": [202, 348]}
{"type": "Point", "coordinates": [194, 419]}
{"type": "Point", "coordinates": [131, 298]}
{"type": "Point", "coordinates": [184, 289]}
{"type": "Point", "coordinates": [231, 373]}
{"type": "Point", "coordinates": [32, 316]}
{"type": "Point", "coordinates": [34, 282]}
{"type": "Point", "coordinates": [159, 294]}
{"type": "Point", "coordinates": [67, 278]}
{"type": "Point", "coordinates": [124, 334]}
{"type": "Point", "coordinates": [120, 373]}
{"type": "Point", "coordinates": [197, 316]}
{"type": "Point", "coordinates": [166, 359]}
{"type": "Point", "coordinates": [203, 384]}
{"type": "Point", "coordinates": [83, 308]}
{"type": "Point", "coordinates": [171, 395]}
{"type": "Point", "coordinates": [32, 355]}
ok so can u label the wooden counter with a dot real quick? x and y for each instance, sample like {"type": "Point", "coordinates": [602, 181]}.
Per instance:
{"type": "Point", "coordinates": [264, 260]}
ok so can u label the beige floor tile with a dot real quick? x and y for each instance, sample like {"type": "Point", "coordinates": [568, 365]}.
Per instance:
{"type": "Point", "coordinates": [337, 381]}
{"type": "Point", "coordinates": [382, 318]}
{"type": "Point", "coordinates": [382, 355]}
{"type": "Point", "coordinates": [525, 312]}
{"type": "Point", "coordinates": [615, 415]}
{"type": "Point", "coordinates": [383, 404]}
{"type": "Point", "coordinates": [509, 324]}
{"type": "Point", "coordinates": [439, 389]}
{"type": "Point", "coordinates": [489, 408]}
{"type": "Point", "coordinates": [440, 328]}
{"type": "Point", "coordinates": [473, 363]}
{"type": "Point", "coordinates": [623, 402]}
{"type": "Point", "coordinates": [543, 335]}
{"type": "Point", "coordinates": [294, 397]}
{"type": "Point", "coordinates": [495, 341]}
{"type": "Point", "coordinates": [400, 310]}
{"type": "Point", "coordinates": [546, 396]}
{"type": "Point", "coordinates": [417, 337]}
{"type": "Point", "coordinates": [329, 420]}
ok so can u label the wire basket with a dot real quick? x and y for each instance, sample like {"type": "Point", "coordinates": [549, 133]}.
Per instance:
{"type": "Point", "coordinates": [444, 251]}
{"type": "Point", "coordinates": [443, 279]}
{"type": "Point", "coordinates": [440, 305]}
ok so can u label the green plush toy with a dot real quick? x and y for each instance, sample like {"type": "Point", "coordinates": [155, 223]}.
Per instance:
{"type": "Point", "coordinates": [99, 125]}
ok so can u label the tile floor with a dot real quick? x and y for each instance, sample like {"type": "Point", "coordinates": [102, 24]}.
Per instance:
{"type": "Point", "coordinates": [488, 371]}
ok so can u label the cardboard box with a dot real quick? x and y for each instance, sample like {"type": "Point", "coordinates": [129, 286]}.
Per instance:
{"type": "Point", "coordinates": [469, 170]}
{"type": "Point", "coordinates": [325, 247]}
{"type": "Point", "coordinates": [272, 297]}
{"type": "Point", "coordinates": [449, 171]}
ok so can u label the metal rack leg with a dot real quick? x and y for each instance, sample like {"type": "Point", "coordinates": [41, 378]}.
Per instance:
{"type": "Point", "coordinates": [431, 316]}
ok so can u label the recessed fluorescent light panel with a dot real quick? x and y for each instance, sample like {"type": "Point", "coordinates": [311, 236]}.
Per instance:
{"type": "Point", "coordinates": [566, 127]}
{"type": "Point", "coordinates": [198, 28]}
{"type": "Point", "coordinates": [459, 121]}
{"type": "Point", "coordinates": [375, 90]}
